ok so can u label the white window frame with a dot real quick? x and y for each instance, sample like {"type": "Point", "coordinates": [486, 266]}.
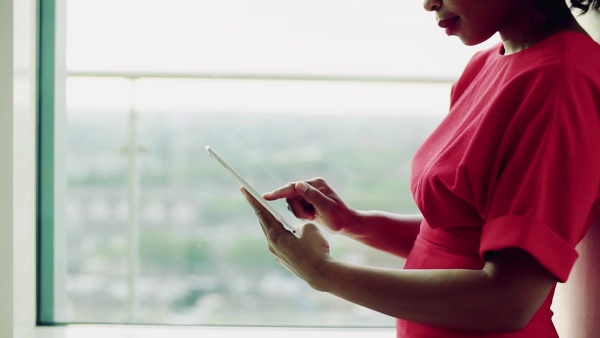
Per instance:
{"type": "Point", "coordinates": [18, 24]}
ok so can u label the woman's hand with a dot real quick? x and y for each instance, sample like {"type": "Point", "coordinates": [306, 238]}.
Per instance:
{"type": "Point", "coordinates": [315, 200]}
{"type": "Point", "coordinates": [305, 255]}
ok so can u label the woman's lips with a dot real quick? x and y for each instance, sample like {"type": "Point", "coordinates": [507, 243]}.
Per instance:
{"type": "Point", "coordinates": [449, 24]}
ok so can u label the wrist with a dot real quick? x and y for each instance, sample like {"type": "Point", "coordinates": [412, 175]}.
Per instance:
{"type": "Point", "coordinates": [355, 223]}
{"type": "Point", "coordinates": [324, 279]}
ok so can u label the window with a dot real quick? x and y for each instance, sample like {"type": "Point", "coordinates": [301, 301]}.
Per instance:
{"type": "Point", "coordinates": [140, 226]}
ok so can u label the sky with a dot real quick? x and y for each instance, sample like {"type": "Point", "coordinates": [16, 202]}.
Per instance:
{"type": "Point", "coordinates": [368, 37]}
{"type": "Point", "coordinates": [390, 38]}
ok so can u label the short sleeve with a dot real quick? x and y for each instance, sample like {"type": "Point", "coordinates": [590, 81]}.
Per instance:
{"type": "Point", "coordinates": [546, 188]}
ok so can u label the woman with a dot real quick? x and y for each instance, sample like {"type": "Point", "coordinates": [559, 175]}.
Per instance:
{"type": "Point", "coordinates": [507, 185]}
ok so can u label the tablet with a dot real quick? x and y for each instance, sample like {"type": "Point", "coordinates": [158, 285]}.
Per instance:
{"type": "Point", "coordinates": [251, 190]}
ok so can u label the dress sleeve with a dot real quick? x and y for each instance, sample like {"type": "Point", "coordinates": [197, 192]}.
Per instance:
{"type": "Point", "coordinates": [545, 191]}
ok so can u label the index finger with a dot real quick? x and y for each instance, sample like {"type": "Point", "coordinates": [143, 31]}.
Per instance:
{"type": "Point", "coordinates": [286, 191]}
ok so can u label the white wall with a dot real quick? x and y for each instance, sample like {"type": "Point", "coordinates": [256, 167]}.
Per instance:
{"type": "Point", "coordinates": [577, 302]}
{"type": "Point", "coordinates": [17, 166]}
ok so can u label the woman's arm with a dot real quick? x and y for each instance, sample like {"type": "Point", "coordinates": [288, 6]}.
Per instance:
{"type": "Point", "coordinates": [503, 296]}
{"type": "Point", "coordinates": [392, 233]}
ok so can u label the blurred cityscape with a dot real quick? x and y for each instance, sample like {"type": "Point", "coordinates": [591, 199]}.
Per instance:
{"type": "Point", "coordinates": [202, 256]}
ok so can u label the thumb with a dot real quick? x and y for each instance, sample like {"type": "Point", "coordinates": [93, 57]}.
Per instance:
{"type": "Point", "coordinates": [314, 235]}
{"type": "Point", "coordinates": [314, 196]}
{"type": "Point", "coordinates": [308, 229]}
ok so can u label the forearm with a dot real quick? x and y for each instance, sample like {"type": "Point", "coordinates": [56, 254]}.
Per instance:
{"type": "Point", "coordinates": [480, 300]}
{"type": "Point", "coordinates": [393, 233]}
{"type": "Point", "coordinates": [445, 298]}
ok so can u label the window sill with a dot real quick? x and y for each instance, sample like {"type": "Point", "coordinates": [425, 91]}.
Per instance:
{"type": "Point", "coordinates": [125, 331]}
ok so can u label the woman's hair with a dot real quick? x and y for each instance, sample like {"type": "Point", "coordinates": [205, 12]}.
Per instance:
{"type": "Point", "coordinates": [585, 5]}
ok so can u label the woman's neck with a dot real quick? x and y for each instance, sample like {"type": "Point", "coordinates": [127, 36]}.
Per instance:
{"type": "Point", "coordinates": [530, 25]}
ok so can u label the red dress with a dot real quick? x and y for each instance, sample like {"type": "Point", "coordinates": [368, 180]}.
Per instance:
{"type": "Point", "coordinates": [516, 163]}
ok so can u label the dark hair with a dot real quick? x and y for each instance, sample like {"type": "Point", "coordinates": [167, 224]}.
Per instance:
{"type": "Point", "coordinates": [585, 5]}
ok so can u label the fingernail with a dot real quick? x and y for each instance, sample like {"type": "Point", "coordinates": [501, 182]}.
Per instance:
{"type": "Point", "coordinates": [301, 186]}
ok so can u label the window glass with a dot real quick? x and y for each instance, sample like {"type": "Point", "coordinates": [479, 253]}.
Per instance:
{"type": "Point", "coordinates": [157, 232]}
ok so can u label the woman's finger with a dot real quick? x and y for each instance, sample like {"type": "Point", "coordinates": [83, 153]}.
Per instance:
{"type": "Point", "coordinates": [317, 198]}
{"type": "Point", "coordinates": [301, 208]}
{"type": "Point", "coordinates": [268, 222]}
{"type": "Point", "coordinates": [286, 191]}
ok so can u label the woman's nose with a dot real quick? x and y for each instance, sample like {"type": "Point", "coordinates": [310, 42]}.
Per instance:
{"type": "Point", "coordinates": [432, 5]}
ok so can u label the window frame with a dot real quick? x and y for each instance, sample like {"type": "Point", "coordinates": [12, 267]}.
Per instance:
{"type": "Point", "coordinates": [18, 97]}
{"type": "Point", "coordinates": [51, 117]}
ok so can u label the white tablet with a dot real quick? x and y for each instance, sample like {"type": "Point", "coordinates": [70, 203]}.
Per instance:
{"type": "Point", "coordinates": [251, 190]}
